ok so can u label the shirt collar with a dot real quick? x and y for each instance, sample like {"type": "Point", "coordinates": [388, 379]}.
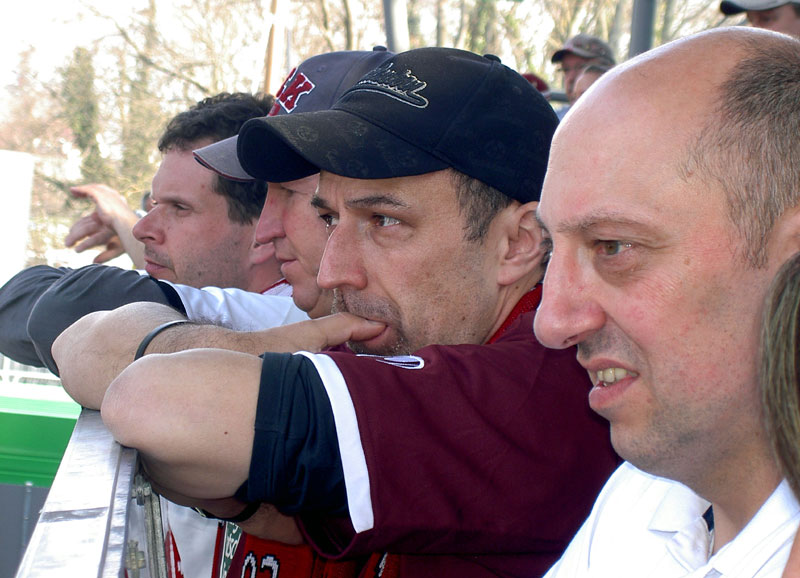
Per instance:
{"type": "Point", "coordinates": [765, 539]}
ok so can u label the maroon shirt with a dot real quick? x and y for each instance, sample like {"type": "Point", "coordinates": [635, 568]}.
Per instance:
{"type": "Point", "coordinates": [487, 448]}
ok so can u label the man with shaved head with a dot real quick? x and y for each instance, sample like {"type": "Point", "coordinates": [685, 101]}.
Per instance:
{"type": "Point", "coordinates": [668, 209]}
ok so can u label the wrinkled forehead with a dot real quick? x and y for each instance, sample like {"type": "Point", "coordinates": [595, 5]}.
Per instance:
{"type": "Point", "coordinates": [433, 191]}
{"type": "Point", "coordinates": [628, 177]}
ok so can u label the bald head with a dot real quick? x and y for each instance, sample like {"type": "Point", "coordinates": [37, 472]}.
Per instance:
{"type": "Point", "coordinates": [657, 179]}
{"type": "Point", "coordinates": [723, 106]}
{"type": "Point", "coordinates": [675, 82]}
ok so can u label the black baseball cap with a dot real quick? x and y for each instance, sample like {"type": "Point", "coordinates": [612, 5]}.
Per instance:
{"type": "Point", "coordinates": [314, 85]}
{"type": "Point", "coordinates": [421, 111]}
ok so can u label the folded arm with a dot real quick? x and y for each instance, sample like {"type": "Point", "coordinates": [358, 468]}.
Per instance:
{"type": "Point", "coordinates": [192, 417]}
{"type": "Point", "coordinates": [95, 349]}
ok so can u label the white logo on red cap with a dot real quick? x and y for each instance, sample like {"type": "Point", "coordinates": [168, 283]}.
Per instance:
{"type": "Point", "coordinates": [293, 88]}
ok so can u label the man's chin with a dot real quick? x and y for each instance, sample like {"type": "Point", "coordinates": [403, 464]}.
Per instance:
{"type": "Point", "coordinates": [168, 275]}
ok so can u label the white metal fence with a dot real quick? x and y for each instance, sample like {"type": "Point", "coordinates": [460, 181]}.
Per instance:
{"type": "Point", "coordinates": [101, 518]}
{"type": "Point", "coordinates": [12, 372]}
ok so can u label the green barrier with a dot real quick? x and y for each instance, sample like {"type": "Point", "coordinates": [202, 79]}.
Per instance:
{"type": "Point", "coordinates": [33, 436]}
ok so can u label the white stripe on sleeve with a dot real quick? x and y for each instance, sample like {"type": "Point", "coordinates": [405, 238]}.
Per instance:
{"type": "Point", "coordinates": [354, 462]}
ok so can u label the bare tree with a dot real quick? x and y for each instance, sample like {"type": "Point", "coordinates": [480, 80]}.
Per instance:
{"type": "Point", "coordinates": [402, 24]}
{"type": "Point", "coordinates": [348, 25]}
{"type": "Point", "coordinates": [144, 120]}
{"type": "Point", "coordinates": [33, 125]}
{"type": "Point", "coordinates": [681, 18]}
{"type": "Point", "coordinates": [150, 68]}
{"type": "Point", "coordinates": [80, 111]}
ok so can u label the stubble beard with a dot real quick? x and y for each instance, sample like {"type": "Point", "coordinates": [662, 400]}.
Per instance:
{"type": "Point", "coordinates": [377, 310]}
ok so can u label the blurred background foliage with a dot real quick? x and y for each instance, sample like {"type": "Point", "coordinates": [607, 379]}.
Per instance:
{"type": "Point", "coordinates": [100, 118]}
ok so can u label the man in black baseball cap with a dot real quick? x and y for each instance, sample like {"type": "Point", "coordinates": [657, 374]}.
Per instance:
{"type": "Point", "coordinates": [422, 111]}
{"type": "Point", "coordinates": [288, 222]}
{"type": "Point", "coordinates": [443, 449]}
{"type": "Point", "coordinates": [775, 15]}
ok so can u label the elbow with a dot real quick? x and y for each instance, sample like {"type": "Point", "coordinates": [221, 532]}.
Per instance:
{"type": "Point", "coordinates": [78, 374]}
{"type": "Point", "coordinates": [125, 406]}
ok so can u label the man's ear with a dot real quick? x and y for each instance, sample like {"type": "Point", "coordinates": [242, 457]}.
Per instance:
{"type": "Point", "coordinates": [260, 253]}
{"type": "Point", "coordinates": [522, 251]}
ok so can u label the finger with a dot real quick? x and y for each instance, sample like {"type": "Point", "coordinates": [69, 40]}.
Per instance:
{"type": "Point", "coordinates": [92, 190]}
{"type": "Point", "coordinates": [99, 239]}
{"type": "Point", "coordinates": [78, 192]}
{"type": "Point", "coordinates": [81, 228]}
{"type": "Point", "coordinates": [341, 327]}
{"type": "Point", "coordinates": [112, 251]}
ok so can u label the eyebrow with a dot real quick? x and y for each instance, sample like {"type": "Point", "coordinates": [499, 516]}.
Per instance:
{"type": "Point", "coordinates": [318, 202]}
{"type": "Point", "coordinates": [171, 198]}
{"type": "Point", "coordinates": [591, 221]}
{"type": "Point", "coordinates": [366, 202]}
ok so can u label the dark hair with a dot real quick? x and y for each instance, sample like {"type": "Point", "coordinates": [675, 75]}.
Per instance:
{"type": "Point", "coordinates": [213, 119]}
{"type": "Point", "coordinates": [750, 144]}
{"type": "Point", "coordinates": [796, 6]}
{"type": "Point", "coordinates": [478, 203]}
{"type": "Point", "coordinates": [780, 364]}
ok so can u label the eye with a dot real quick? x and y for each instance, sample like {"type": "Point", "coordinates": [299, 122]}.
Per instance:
{"type": "Point", "coordinates": [384, 221]}
{"type": "Point", "coordinates": [329, 220]}
{"type": "Point", "coordinates": [611, 248]}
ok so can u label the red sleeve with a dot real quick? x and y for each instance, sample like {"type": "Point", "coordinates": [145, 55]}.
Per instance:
{"type": "Point", "coordinates": [489, 448]}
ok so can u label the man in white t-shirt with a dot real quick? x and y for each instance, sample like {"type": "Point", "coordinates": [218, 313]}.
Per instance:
{"type": "Point", "coordinates": [668, 209]}
{"type": "Point", "coordinates": [198, 234]}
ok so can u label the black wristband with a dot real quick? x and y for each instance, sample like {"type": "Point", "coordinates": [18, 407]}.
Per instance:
{"type": "Point", "coordinates": [250, 509]}
{"type": "Point", "coordinates": [150, 336]}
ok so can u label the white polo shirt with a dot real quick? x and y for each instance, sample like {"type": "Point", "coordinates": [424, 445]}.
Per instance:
{"type": "Point", "coordinates": [644, 526]}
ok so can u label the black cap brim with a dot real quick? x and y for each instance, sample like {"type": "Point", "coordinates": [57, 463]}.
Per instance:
{"type": "Point", "coordinates": [336, 141]}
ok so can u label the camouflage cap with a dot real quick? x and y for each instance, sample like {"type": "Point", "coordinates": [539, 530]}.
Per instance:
{"type": "Point", "coordinates": [586, 46]}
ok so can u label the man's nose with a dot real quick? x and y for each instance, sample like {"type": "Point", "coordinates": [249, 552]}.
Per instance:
{"type": "Point", "coordinates": [148, 228]}
{"type": "Point", "coordinates": [270, 222]}
{"type": "Point", "coordinates": [342, 262]}
{"type": "Point", "coordinates": [569, 311]}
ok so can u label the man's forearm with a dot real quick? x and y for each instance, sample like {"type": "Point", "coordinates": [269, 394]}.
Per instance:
{"type": "Point", "coordinates": [78, 292]}
{"type": "Point", "coordinates": [123, 225]}
{"type": "Point", "coordinates": [95, 349]}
